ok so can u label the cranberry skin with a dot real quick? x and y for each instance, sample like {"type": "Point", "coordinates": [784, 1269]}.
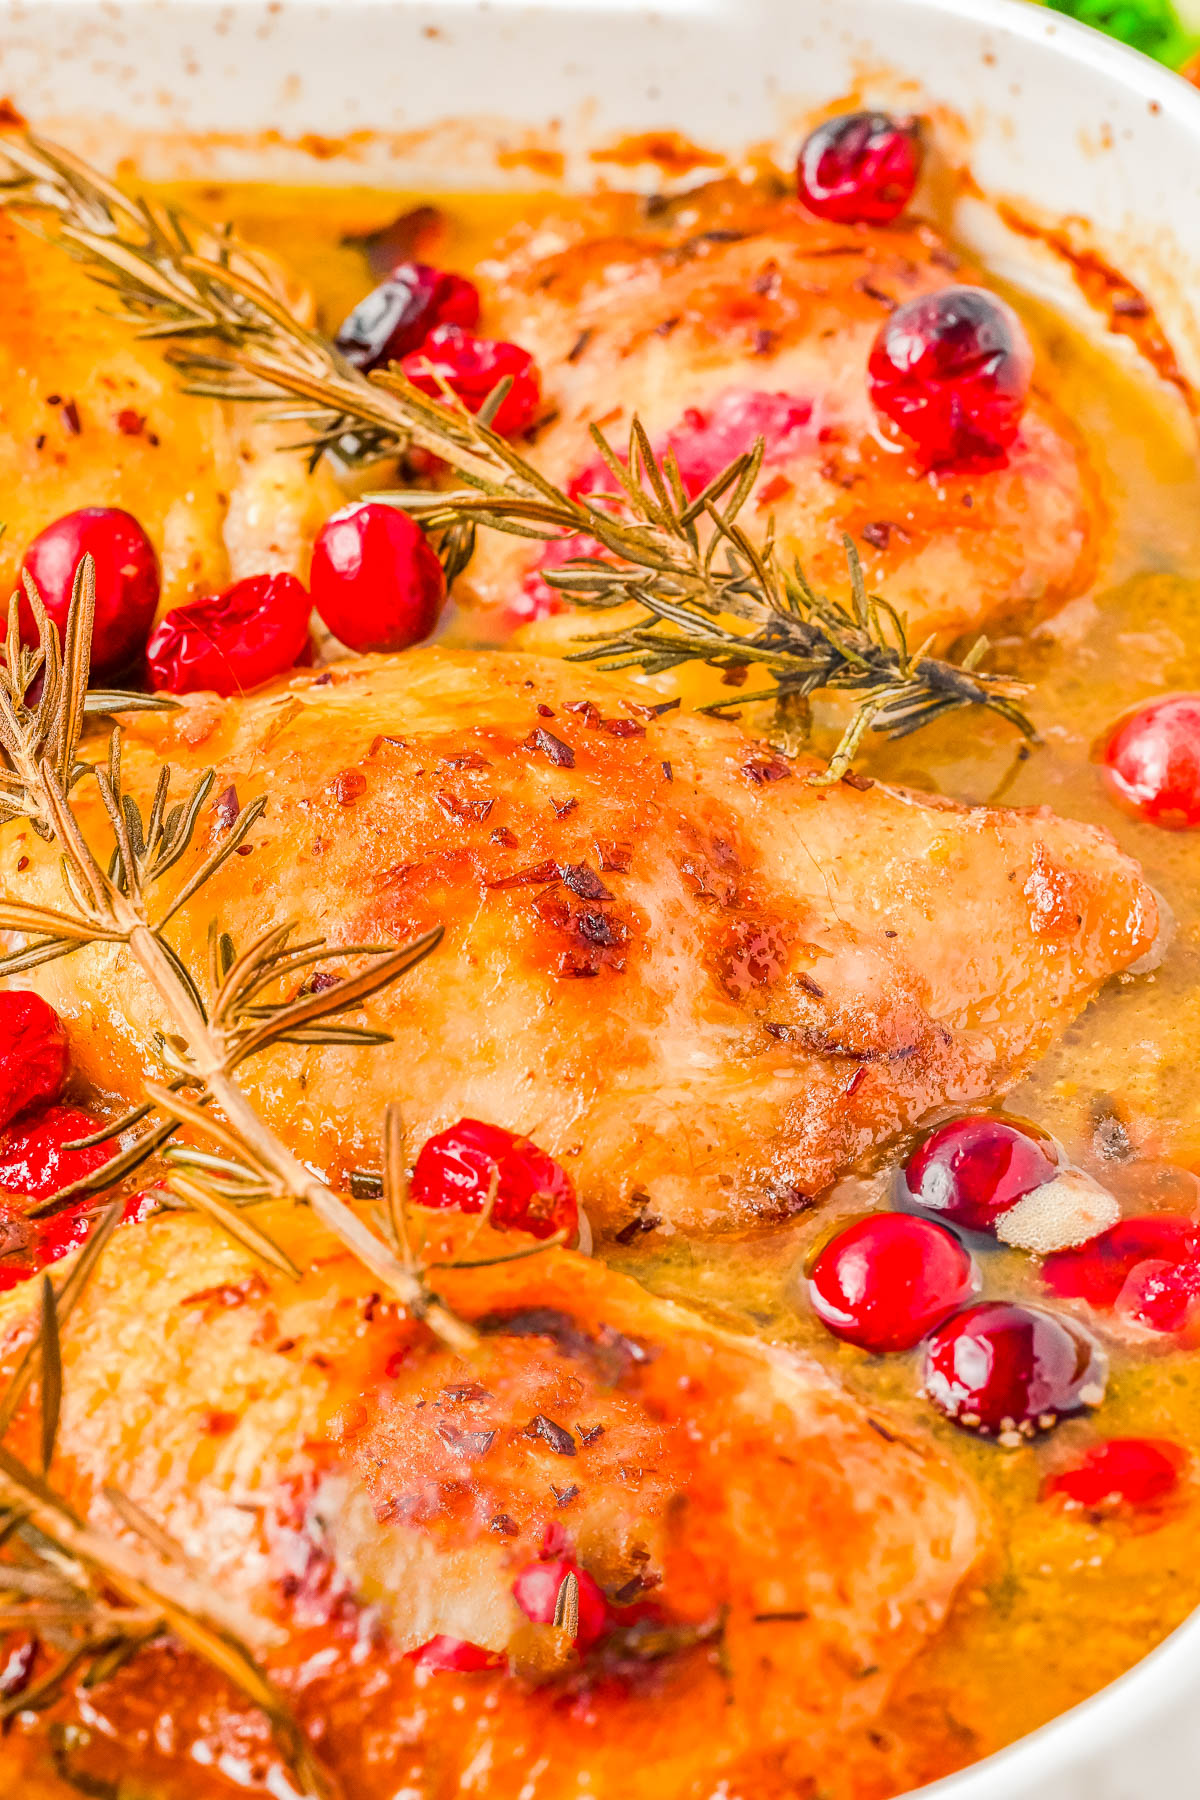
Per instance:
{"type": "Point", "coordinates": [375, 581]}
{"type": "Point", "coordinates": [536, 1592]}
{"type": "Point", "coordinates": [396, 317]}
{"type": "Point", "coordinates": [1124, 1474]}
{"type": "Point", "coordinates": [1151, 761]}
{"type": "Point", "coordinates": [456, 1169]}
{"type": "Point", "coordinates": [972, 1170]}
{"type": "Point", "coordinates": [860, 168]}
{"type": "Point", "coordinates": [1097, 1272]}
{"type": "Point", "coordinates": [952, 371]}
{"type": "Point", "coordinates": [998, 1367]}
{"type": "Point", "coordinates": [233, 641]}
{"type": "Point", "coordinates": [127, 581]}
{"type": "Point", "coordinates": [886, 1280]}
{"type": "Point", "coordinates": [34, 1163]}
{"type": "Point", "coordinates": [472, 367]}
{"type": "Point", "coordinates": [34, 1056]}
{"type": "Point", "coordinates": [454, 1656]}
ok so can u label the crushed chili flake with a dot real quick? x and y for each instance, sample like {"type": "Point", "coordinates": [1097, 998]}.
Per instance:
{"type": "Point", "coordinates": [560, 754]}
{"type": "Point", "coordinates": [229, 1293]}
{"type": "Point", "coordinates": [347, 787]}
{"type": "Point", "coordinates": [585, 882]}
{"type": "Point", "coordinates": [563, 807]}
{"type": "Point", "coordinates": [227, 806]}
{"type": "Point", "coordinates": [504, 1524]}
{"type": "Point", "coordinates": [614, 858]}
{"type": "Point", "coordinates": [540, 872]}
{"type": "Point", "coordinates": [456, 807]}
{"type": "Point", "coordinates": [556, 1436]}
{"type": "Point", "coordinates": [588, 711]}
{"type": "Point", "coordinates": [459, 759]}
{"type": "Point", "coordinates": [878, 534]}
{"type": "Point", "coordinates": [544, 711]}
{"type": "Point", "coordinates": [589, 1433]}
{"type": "Point", "coordinates": [130, 423]}
{"type": "Point", "coordinates": [69, 414]}
{"type": "Point", "coordinates": [219, 1424]}
{"type": "Point", "coordinates": [860, 783]}
{"type": "Point", "coordinates": [810, 986]}
{"type": "Point", "coordinates": [623, 728]}
{"type": "Point", "coordinates": [502, 835]}
{"type": "Point", "coordinates": [564, 1496]}
{"type": "Point", "coordinates": [668, 771]}
{"type": "Point", "coordinates": [464, 1443]}
{"type": "Point", "coordinates": [761, 769]}
{"type": "Point", "coordinates": [735, 675]}
{"type": "Point", "coordinates": [636, 1227]}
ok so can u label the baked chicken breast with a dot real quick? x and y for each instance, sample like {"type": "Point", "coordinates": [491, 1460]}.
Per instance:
{"type": "Point", "coordinates": [733, 314]}
{"type": "Point", "coordinates": [705, 985]}
{"type": "Point", "coordinates": [757, 1556]}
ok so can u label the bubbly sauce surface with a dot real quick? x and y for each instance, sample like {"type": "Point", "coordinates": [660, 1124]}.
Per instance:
{"type": "Point", "coordinates": [1065, 1604]}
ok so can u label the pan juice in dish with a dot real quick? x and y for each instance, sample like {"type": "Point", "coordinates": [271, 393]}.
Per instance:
{"type": "Point", "coordinates": [866, 1438]}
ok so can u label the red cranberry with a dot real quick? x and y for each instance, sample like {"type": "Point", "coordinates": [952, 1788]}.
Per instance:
{"type": "Point", "coordinates": [1152, 761]}
{"type": "Point", "coordinates": [1000, 1369]}
{"type": "Point", "coordinates": [1162, 1296]}
{"type": "Point", "coordinates": [127, 583]}
{"type": "Point", "coordinates": [952, 370]}
{"type": "Point", "coordinates": [886, 1280]}
{"type": "Point", "coordinates": [472, 367]}
{"type": "Point", "coordinates": [536, 1591]}
{"type": "Point", "coordinates": [1124, 1473]}
{"type": "Point", "coordinates": [33, 1054]}
{"type": "Point", "coordinates": [451, 1655]}
{"type": "Point", "coordinates": [972, 1170]}
{"type": "Point", "coordinates": [457, 1168]}
{"type": "Point", "coordinates": [375, 581]}
{"type": "Point", "coordinates": [395, 318]}
{"type": "Point", "coordinates": [861, 168]}
{"type": "Point", "coordinates": [33, 1161]}
{"type": "Point", "coordinates": [1097, 1272]}
{"type": "Point", "coordinates": [249, 634]}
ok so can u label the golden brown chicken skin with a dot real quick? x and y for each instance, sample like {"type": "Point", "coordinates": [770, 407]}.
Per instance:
{"type": "Point", "coordinates": [737, 315]}
{"type": "Point", "coordinates": [705, 985]}
{"type": "Point", "coordinates": [91, 416]}
{"type": "Point", "coordinates": [770, 1555]}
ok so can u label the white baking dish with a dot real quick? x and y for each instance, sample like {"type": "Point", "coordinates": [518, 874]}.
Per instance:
{"type": "Point", "coordinates": [1048, 115]}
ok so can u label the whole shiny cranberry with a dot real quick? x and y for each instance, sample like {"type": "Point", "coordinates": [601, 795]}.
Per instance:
{"type": "Point", "coordinates": [1098, 1272]}
{"type": "Point", "coordinates": [472, 367]}
{"type": "Point", "coordinates": [536, 1592]}
{"type": "Point", "coordinates": [233, 641]}
{"type": "Point", "coordinates": [458, 1167]}
{"type": "Point", "coordinates": [972, 1170]}
{"type": "Point", "coordinates": [952, 371]}
{"type": "Point", "coordinates": [1124, 1474]}
{"type": "Point", "coordinates": [34, 1056]}
{"type": "Point", "coordinates": [454, 1656]}
{"type": "Point", "coordinates": [1002, 1369]}
{"type": "Point", "coordinates": [1151, 761]}
{"type": "Point", "coordinates": [127, 581]}
{"type": "Point", "coordinates": [886, 1280]}
{"type": "Point", "coordinates": [860, 168]}
{"type": "Point", "coordinates": [33, 1159]}
{"type": "Point", "coordinates": [375, 581]}
{"type": "Point", "coordinates": [396, 317]}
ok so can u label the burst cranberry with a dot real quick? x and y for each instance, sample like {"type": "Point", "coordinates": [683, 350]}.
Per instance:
{"type": "Point", "coordinates": [861, 168]}
{"type": "Point", "coordinates": [536, 1592]}
{"type": "Point", "coordinates": [458, 1167]}
{"type": "Point", "coordinates": [375, 581]}
{"type": "Point", "coordinates": [952, 370]}
{"type": "Point", "coordinates": [1124, 1473]}
{"type": "Point", "coordinates": [249, 634]}
{"type": "Point", "coordinates": [999, 1368]}
{"type": "Point", "coordinates": [886, 1280]}
{"type": "Point", "coordinates": [33, 1160]}
{"type": "Point", "coordinates": [1098, 1272]}
{"type": "Point", "coordinates": [1161, 1296]}
{"type": "Point", "coordinates": [972, 1170]}
{"type": "Point", "coordinates": [127, 582]}
{"type": "Point", "coordinates": [396, 317]}
{"type": "Point", "coordinates": [33, 1054]}
{"type": "Point", "coordinates": [1152, 761]}
{"type": "Point", "coordinates": [454, 1656]}
{"type": "Point", "coordinates": [472, 367]}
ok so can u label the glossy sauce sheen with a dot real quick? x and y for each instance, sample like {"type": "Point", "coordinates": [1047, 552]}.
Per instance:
{"type": "Point", "coordinates": [1061, 1604]}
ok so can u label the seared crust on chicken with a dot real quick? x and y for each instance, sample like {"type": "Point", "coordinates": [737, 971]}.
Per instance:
{"type": "Point", "coordinates": [93, 416]}
{"type": "Point", "coordinates": [736, 315]}
{"type": "Point", "coordinates": [705, 985]}
{"type": "Point", "coordinates": [772, 1556]}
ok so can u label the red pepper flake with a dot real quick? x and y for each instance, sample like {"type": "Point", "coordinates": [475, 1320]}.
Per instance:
{"type": "Point", "coordinates": [130, 423]}
{"type": "Point", "coordinates": [244, 850]}
{"type": "Point", "coordinates": [623, 728]}
{"type": "Point", "coordinates": [54, 399]}
{"type": "Point", "coordinates": [855, 1081]}
{"type": "Point", "coordinates": [587, 710]}
{"type": "Point", "coordinates": [560, 754]}
{"type": "Point", "coordinates": [668, 771]}
{"type": "Point", "coordinates": [585, 882]}
{"type": "Point", "coordinates": [563, 807]}
{"type": "Point", "coordinates": [455, 807]}
{"type": "Point", "coordinates": [461, 759]}
{"type": "Point", "coordinates": [502, 835]}
{"type": "Point", "coordinates": [540, 872]}
{"type": "Point", "coordinates": [20, 1655]}
{"type": "Point", "coordinates": [229, 1293]}
{"type": "Point", "coordinates": [504, 1524]}
{"type": "Point", "coordinates": [589, 1433]}
{"type": "Point", "coordinates": [614, 858]}
{"type": "Point", "coordinates": [464, 1443]}
{"type": "Point", "coordinates": [69, 414]}
{"type": "Point", "coordinates": [219, 1424]}
{"type": "Point", "coordinates": [761, 769]}
{"type": "Point", "coordinates": [22, 864]}
{"type": "Point", "coordinates": [810, 986]}
{"type": "Point", "coordinates": [349, 786]}
{"type": "Point", "coordinates": [392, 743]}
{"type": "Point", "coordinates": [735, 675]}
{"type": "Point", "coordinates": [544, 711]}
{"type": "Point", "coordinates": [227, 807]}
{"type": "Point", "coordinates": [860, 783]}
{"type": "Point", "coordinates": [556, 1436]}
{"type": "Point", "coordinates": [773, 490]}
{"type": "Point", "coordinates": [878, 534]}
{"type": "Point", "coordinates": [564, 1496]}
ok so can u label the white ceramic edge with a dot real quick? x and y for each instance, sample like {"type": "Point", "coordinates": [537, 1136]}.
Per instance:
{"type": "Point", "coordinates": [1138, 1739]}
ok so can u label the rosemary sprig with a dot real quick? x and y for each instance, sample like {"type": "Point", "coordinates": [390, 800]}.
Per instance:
{"type": "Point", "coordinates": [91, 1600]}
{"type": "Point", "coordinates": [210, 1034]}
{"type": "Point", "coordinates": [708, 592]}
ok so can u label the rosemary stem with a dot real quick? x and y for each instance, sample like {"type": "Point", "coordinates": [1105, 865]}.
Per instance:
{"type": "Point", "coordinates": [208, 1056]}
